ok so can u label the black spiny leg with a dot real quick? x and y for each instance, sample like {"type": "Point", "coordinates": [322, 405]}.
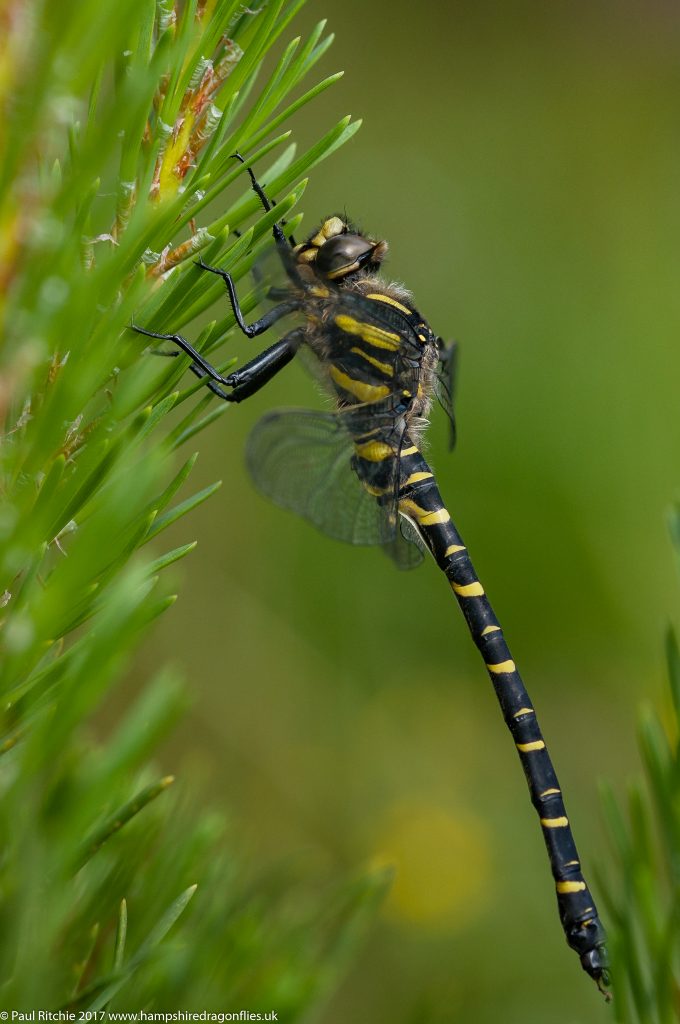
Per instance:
{"type": "Point", "coordinates": [210, 384]}
{"type": "Point", "coordinates": [284, 245]}
{"type": "Point", "coordinates": [260, 370]}
{"type": "Point", "coordinates": [267, 203]}
{"type": "Point", "coordinates": [266, 321]}
{"type": "Point", "coordinates": [200, 366]}
{"type": "Point", "coordinates": [246, 381]}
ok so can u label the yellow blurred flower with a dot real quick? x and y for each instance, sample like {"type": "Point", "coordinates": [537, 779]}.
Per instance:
{"type": "Point", "coordinates": [443, 864]}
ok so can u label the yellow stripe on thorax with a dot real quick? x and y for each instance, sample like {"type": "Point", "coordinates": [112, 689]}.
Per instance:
{"type": "Point", "coordinates": [383, 367]}
{"type": "Point", "coordinates": [374, 451]}
{"type": "Point", "coordinates": [368, 332]}
{"type": "Point", "coordinates": [390, 300]}
{"type": "Point", "coordinates": [364, 392]}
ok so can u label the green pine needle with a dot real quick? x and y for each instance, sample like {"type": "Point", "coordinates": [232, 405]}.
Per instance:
{"type": "Point", "coordinates": [119, 818]}
{"type": "Point", "coordinates": [116, 170]}
{"type": "Point", "coordinates": [642, 897]}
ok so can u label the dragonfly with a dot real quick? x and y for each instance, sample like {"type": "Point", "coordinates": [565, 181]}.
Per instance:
{"type": "Point", "coordinates": [358, 473]}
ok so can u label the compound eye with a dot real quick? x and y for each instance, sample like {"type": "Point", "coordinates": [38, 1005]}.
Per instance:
{"type": "Point", "coordinates": [342, 251]}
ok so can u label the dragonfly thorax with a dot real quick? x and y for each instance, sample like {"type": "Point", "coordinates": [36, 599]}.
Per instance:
{"type": "Point", "coordinates": [337, 251]}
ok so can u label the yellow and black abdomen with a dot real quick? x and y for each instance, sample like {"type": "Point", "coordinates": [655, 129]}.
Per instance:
{"type": "Point", "coordinates": [420, 501]}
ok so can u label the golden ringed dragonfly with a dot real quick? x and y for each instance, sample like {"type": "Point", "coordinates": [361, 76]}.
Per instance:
{"type": "Point", "coordinates": [358, 474]}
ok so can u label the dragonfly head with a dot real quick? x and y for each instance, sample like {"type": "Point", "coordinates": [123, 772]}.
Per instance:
{"type": "Point", "coordinates": [337, 251]}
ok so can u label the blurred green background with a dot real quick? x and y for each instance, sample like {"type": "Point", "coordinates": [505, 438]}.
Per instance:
{"type": "Point", "coordinates": [522, 160]}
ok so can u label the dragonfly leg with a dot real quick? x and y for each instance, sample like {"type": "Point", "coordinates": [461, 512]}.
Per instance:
{"type": "Point", "coordinates": [258, 326]}
{"type": "Point", "coordinates": [212, 385]}
{"type": "Point", "coordinates": [284, 245]}
{"type": "Point", "coordinates": [246, 381]}
{"type": "Point", "coordinates": [267, 203]}
{"type": "Point", "coordinates": [275, 293]}
{"type": "Point", "coordinates": [198, 364]}
{"type": "Point", "coordinates": [260, 370]}
{"type": "Point", "coordinates": [278, 294]}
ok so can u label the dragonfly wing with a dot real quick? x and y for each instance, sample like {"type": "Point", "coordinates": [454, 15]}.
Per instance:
{"type": "Point", "coordinates": [407, 549]}
{"type": "Point", "coordinates": [313, 366]}
{"type": "Point", "coordinates": [445, 382]}
{"type": "Point", "coordinates": [302, 460]}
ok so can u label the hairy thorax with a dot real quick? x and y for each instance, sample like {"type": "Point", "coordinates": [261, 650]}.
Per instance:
{"type": "Point", "coordinates": [374, 319]}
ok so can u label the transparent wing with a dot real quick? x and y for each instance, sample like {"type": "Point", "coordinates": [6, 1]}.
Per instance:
{"type": "Point", "coordinates": [302, 460]}
{"type": "Point", "coordinates": [445, 382]}
{"type": "Point", "coordinates": [313, 366]}
{"type": "Point", "coordinates": [407, 549]}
